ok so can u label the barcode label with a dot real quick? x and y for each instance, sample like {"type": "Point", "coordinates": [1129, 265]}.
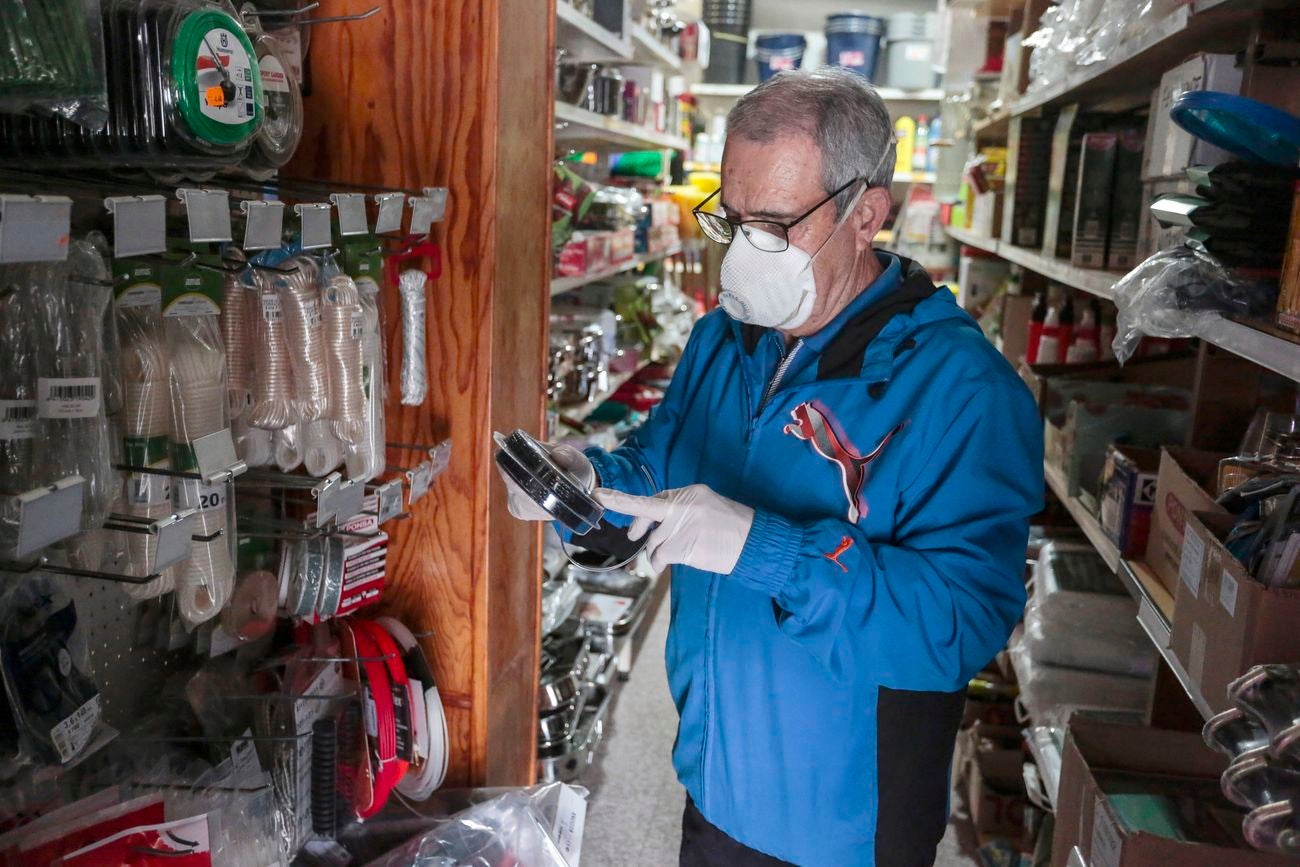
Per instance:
{"type": "Point", "coordinates": [271, 310]}
{"type": "Point", "coordinates": [17, 419]}
{"type": "Point", "coordinates": [358, 324]}
{"type": "Point", "coordinates": [68, 398]}
{"type": "Point", "coordinates": [311, 314]}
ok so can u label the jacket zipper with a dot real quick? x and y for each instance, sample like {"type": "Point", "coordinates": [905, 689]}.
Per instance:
{"type": "Point", "coordinates": [778, 376]}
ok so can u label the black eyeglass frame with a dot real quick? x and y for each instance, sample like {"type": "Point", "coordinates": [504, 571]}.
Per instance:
{"type": "Point", "coordinates": [738, 226]}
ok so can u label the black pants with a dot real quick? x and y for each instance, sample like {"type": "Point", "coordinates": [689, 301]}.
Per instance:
{"type": "Point", "coordinates": [705, 845]}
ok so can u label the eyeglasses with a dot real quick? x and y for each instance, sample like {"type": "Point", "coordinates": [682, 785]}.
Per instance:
{"type": "Point", "coordinates": [769, 236]}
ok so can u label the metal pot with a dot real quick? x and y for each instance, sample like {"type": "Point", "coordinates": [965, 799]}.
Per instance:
{"type": "Point", "coordinates": [554, 729]}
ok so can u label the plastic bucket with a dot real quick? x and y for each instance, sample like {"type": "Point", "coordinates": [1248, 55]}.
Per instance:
{"type": "Point", "coordinates": [853, 42]}
{"type": "Point", "coordinates": [776, 52]}
{"type": "Point", "coordinates": [910, 44]}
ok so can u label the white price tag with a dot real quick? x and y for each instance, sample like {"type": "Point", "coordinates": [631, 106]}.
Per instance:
{"type": "Point", "coordinates": [175, 534]}
{"type": "Point", "coordinates": [419, 479]}
{"type": "Point", "coordinates": [342, 500]}
{"type": "Point", "coordinates": [358, 324]}
{"type": "Point", "coordinates": [200, 496]}
{"type": "Point", "coordinates": [570, 817]}
{"type": "Point", "coordinates": [72, 734]}
{"type": "Point", "coordinates": [389, 218]}
{"type": "Point", "coordinates": [208, 213]}
{"type": "Point", "coordinates": [1191, 561]}
{"type": "Point", "coordinates": [1228, 594]}
{"type": "Point", "coordinates": [17, 419]}
{"type": "Point", "coordinates": [47, 515]}
{"type": "Point", "coordinates": [311, 313]}
{"type": "Point", "coordinates": [69, 397]}
{"type": "Point", "coordinates": [351, 208]}
{"type": "Point", "coordinates": [389, 496]}
{"type": "Point", "coordinates": [139, 224]}
{"type": "Point", "coordinates": [35, 228]}
{"type": "Point", "coordinates": [272, 310]}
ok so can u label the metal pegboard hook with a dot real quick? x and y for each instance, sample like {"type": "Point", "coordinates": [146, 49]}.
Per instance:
{"type": "Point", "coordinates": [41, 564]}
{"type": "Point", "coordinates": [360, 16]}
{"type": "Point", "coordinates": [250, 12]}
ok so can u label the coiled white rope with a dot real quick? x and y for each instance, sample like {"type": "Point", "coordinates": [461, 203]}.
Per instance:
{"type": "Point", "coordinates": [412, 284]}
{"type": "Point", "coordinates": [344, 325]}
{"type": "Point", "coordinates": [198, 368]}
{"type": "Point", "coordinates": [287, 445]}
{"type": "Point", "coordinates": [272, 371]}
{"type": "Point", "coordinates": [366, 459]}
{"type": "Point", "coordinates": [236, 299]}
{"type": "Point", "coordinates": [254, 445]}
{"type": "Point", "coordinates": [147, 423]}
{"type": "Point", "coordinates": [304, 336]}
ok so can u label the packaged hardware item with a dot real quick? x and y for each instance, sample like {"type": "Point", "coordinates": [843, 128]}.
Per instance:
{"type": "Point", "coordinates": [366, 458]}
{"type": "Point", "coordinates": [52, 59]}
{"type": "Point", "coordinates": [18, 380]}
{"type": "Point", "coordinates": [344, 327]}
{"type": "Point", "coordinates": [282, 125]}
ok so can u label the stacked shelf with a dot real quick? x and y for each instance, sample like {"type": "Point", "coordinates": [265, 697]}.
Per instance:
{"type": "Point", "coordinates": [888, 94]}
{"type": "Point", "coordinates": [584, 39]}
{"type": "Point", "coordinates": [560, 285]}
{"type": "Point", "coordinates": [1278, 355]}
{"type": "Point", "coordinates": [577, 126]}
{"type": "Point", "coordinates": [1155, 605]}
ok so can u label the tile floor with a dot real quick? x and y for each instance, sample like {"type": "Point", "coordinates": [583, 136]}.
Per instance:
{"type": "Point", "coordinates": [634, 815]}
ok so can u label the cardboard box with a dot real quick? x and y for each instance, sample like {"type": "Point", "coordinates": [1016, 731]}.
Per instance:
{"type": "Point", "coordinates": [986, 213]}
{"type": "Point", "coordinates": [1126, 202]}
{"type": "Point", "coordinates": [996, 783]}
{"type": "Point", "coordinates": [1101, 757]}
{"type": "Point", "coordinates": [1170, 149]}
{"type": "Point", "coordinates": [1128, 491]}
{"type": "Point", "coordinates": [1225, 621]}
{"type": "Point", "coordinates": [1184, 484]}
{"type": "Point", "coordinates": [1047, 382]}
{"type": "Point", "coordinates": [1029, 160]}
{"type": "Point", "coordinates": [1093, 203]}
{"type": "Point", "coordinates": [1014, 339]}
{"type": "Point", "coordinates": [979, 275]}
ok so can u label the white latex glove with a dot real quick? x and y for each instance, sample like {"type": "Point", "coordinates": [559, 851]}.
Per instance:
{"type": "Point", "coordinates": [697, 527]}
{"type": "Point", "coordinates": [575, 462]}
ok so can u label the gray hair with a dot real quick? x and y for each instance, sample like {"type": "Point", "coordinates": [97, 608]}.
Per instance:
{"type": "Point", "coordinates": [837, 109]}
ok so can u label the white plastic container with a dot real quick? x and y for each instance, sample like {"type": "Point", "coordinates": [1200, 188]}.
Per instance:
{"type": "Point", "coordinates": [910, 54]}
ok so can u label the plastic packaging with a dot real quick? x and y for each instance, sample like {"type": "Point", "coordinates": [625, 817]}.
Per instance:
{"type": "Point", "coordinates": [1181, 292]}
{"type": "Point", "coordinates": [146, 428]}
{"type": "Point", "coordinates": [414, 379]}
{"type": "Point", "coordinates": [287, 445]}
{"type": "Point", "coordinates": [254, 445]}
{"type": "Point", "coordinates": [1050, 693]}
{"type": "Point", "coordinates": [74, 436]}
{"type": "Point", "coordinates": [515, 828]}
{"type": "Point", "coordinates": [52, 706]}
{"type": "Point", "coordinates": [282, 125]}
{"type": "Point", "coordinates": [344, 326]}
{"type": "Point", "coordinates": [271, 375]}
{"type": "Point", "coordinates": [18, 423]}
{"type": "Point", "coordinates": [1081, 616]}
{"type": "Point", "coordinates": [237, 297]}
{"type": "Point", "coordinates": [300, 306]}
{"type": "Point", "coordinates": [52, 59]}
{"type": "Point", "coordinates": [198, 391]}
{"type": "Point", "coordinates": [321, 450]}
{"type": "Point", "coordinates": [367, 458]}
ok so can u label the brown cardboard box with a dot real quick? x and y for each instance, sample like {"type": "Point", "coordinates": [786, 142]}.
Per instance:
{"type": "Point", "coordinates": [1016, 313]}
{"type": "Point", "coordinates": [996, 782]}
{"type": "Point", "coordinates": [1085, 818]}
{"type": "Point", "coordinates": [1171, 148]}
{"type": "Point", "coordinates": [1224, 620]}
{"type": "Point", "coordinates": [1043, 379]}
{"type": "Point", "coordinates": [1128, 490]}
{"type": "Point", "coordinates": [1184, 484]}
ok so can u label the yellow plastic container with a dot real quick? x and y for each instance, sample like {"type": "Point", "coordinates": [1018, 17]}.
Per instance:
{"type": "Point", "coordinates": [905, 137]}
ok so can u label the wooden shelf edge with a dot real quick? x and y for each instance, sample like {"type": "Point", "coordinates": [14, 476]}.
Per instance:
{"type": "Point", "coordinates": [1086, 520]}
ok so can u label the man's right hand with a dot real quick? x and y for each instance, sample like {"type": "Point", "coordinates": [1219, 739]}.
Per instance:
{"type": "Point", "coordinates": [569, 459]}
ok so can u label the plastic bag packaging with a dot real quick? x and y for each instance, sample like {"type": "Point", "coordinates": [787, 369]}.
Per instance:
{"type": "Point", "coordinates": [1081, 616]}
{"type": "Point", "coordinates": [237, 297]}
{"type": "Point", "coordinates": [50, 707]}
{"type": "Point", "coordinates": [321, 450]}
{"type": "Point", "coordinates": [52, 59]}
{"type": "Point", "coordinates": [281, 129]}
{"type": "Point", "coordinates": [1050, 693]}
{"type": "Point", "coordinates": [367, 458]}
{"type": "Point", "coordinates": [1104, 32]}
{"type": "Point", "coordinates": [344, 326]}
{"type": "Point", "coordinates": [513, 828]}
{"type": "Point", "coordinates": [414, 378]}
{"type": "Point", "coordinates": [146, 430]}
{"type": "Point", "coordinates": [559, 598]}
{"type": "Point", "coordinates": [198, 396]}
{"type": "Point", "coordinates": [271, 374]}
{"type": "Point", "coordinates": [304, 334]}
{"type": "Point", "coordinates": [1182, 292]}
{"type": "Point", "coordinates": [74, 435]}
{"type": "Point", "coordinates": [18, 424]}
{"type": "Point", "coordinates": [287, 446]}
{"type": "Point", "coordinates": [254, 445]}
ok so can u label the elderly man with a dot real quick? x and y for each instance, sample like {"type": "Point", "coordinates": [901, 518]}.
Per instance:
{"type": "Point", "coordinates": [841, 476]}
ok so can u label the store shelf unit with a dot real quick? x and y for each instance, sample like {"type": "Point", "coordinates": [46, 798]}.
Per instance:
{"type": "Point", "coordinates": [584, 39]}
{"type": "Point", "coordinates": [888, 94]}
{"type": "Point", "coordinates": [577, 126]}
{"type": "Point", "coordinates": [560, 285]}
{"type": "Point", "coordinates": [616, 381]}
{"type": "Point", "coordinates": [647, 49]}
{"type": "Point", "coordinates": [1155, 605]}
{"type": "Point", "coordinates": [1274, 353]}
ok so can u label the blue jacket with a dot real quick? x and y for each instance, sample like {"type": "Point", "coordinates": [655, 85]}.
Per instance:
{"type": "Point", "coordinates": [892, 471]}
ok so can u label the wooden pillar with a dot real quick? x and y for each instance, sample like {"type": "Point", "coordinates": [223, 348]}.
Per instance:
{"type": "Point", "coordinates": [455, 93]}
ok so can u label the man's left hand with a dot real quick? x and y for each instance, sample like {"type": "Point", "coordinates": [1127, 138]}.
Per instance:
{"type": "Point", "coordinates": [697, 527]}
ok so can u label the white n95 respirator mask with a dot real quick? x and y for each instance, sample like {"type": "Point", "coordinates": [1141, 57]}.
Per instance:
{"type": "Point", "coordinates": [774, 290]}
